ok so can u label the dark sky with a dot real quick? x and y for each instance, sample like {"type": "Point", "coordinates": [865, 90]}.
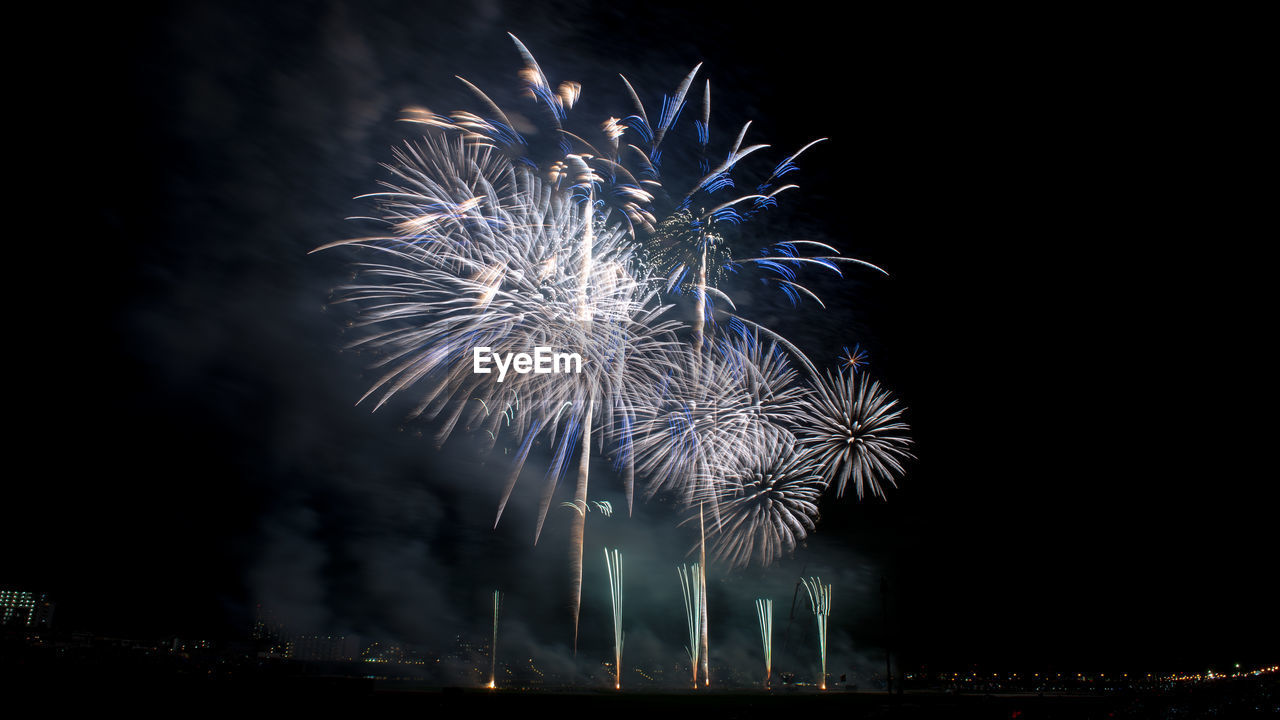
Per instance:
{"type": "Point", "coordinates": [1074, 315]}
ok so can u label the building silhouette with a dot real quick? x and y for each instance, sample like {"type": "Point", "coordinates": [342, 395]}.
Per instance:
{"type": "Point", "coordinates": [20, 608]}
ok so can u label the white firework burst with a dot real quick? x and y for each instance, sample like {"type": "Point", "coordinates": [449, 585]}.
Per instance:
{"type": "Point", "coordinates": [484, 254]}
{"type": "Point", "coordinates": [854, 430]}
{"type": "Point", "coordinates": [711, 414]}
{"type": "Point", "coordinates": [767, 504]}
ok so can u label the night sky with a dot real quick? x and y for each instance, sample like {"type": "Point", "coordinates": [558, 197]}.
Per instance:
{"type": "Point", "coordinates": [1074, 315]}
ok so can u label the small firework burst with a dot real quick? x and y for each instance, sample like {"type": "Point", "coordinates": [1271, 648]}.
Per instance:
{"type": "Point", "coordinates": [855, 430]}
{"type": "Point", "coordinates": [690, 251]}
{"type": "Point", "coordinates": [854, 359]}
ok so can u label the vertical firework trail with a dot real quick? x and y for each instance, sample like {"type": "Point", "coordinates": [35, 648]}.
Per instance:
{"type": "Point", "coordinates": [613, 563]}
{"type": "Point", "coordinates": [764, 613]}
{"type": "Point", "coordinates": [820, 601]}
{"type": "Point", "coordinates": [493, 647]}
{"type": "Point", "coordinates": [691, 586]}
{"type": "Point", "coordinates": [578, 530]}
{"type": "Point", "coordinates": [702, 609]}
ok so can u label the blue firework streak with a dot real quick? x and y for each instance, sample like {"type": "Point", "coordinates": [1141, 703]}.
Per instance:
{"type": "Point", "coordinates": [588, 160]}
{"type": "Point", "coordinates": [683, 232]}
{"type": "Point", "coordinates": [854, 359]}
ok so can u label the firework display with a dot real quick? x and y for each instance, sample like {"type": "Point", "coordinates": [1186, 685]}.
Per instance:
{"type": "Point", "coordinates": [520, 292]}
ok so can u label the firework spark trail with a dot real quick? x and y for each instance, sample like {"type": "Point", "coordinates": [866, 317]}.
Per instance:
{"type": "Point", "coordinates": [764, 613]}
{"type": "Point", "coordinates": [578, 526]}
{"type": "Point", "coordinates": [855, 430]}
{"type": "Point", "coordinates": [613, 563]}
{"type": "Point", "coordinates": [820, 601]}
{"type": "Point", "coordinates": [493, 648]}
{"type": "Point", "coordinates": [691, 588]}
{"type": "Point", "coordinates": [702, 607]}
{"type": "Point", "coordinates": [768, 503]}
{"type": "Point", "coordinates": [601, 506]}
